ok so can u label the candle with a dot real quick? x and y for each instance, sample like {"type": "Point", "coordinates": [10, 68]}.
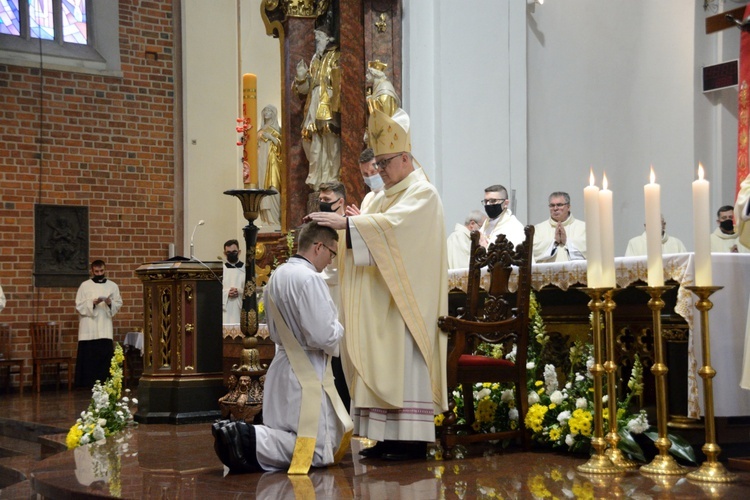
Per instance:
{"type": "Point", "coordinates": [250, 114]}
{"type": "Point", "coordinates": [593, 246]}
{"type": "Point", "coordinates": [652, 194]}
{"type": "Point", "coordinates": [607, 235]}
{"type": "Point", "coordinates": [702, 230]}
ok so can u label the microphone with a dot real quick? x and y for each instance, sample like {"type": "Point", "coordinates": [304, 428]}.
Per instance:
{"type": "Point", "coordinates": [192, 237]}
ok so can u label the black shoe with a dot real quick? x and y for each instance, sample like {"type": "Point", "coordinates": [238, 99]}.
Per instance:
{"type": "Point", "coordinates": [240, 459]}
{"type": "Point", "coordinates": [247, 439]}
{"type": "Point", "coordinates": [221, 451]}
{"type": "Point", "coordinates": [406, 450]}
{"type": "Point", "coordinates": [374, 451]}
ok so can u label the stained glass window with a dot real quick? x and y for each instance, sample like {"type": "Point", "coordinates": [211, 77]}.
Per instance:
{"type": "Point", "coordinates": [40, 17]}
{"type": "Point", "coordinates": [10, 21]}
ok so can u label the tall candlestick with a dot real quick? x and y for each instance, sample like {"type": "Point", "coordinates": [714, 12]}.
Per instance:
{"type": "Point", "coordinates": [702, 230]}
{"type": "Point", "coordinates": [593, 244]}
{"type": "Point", "coordinates": [652, 194]}
{"type": "Point", "coordinates": [250, 114]}
{"type": "Point", "coordinates": [607, 235]}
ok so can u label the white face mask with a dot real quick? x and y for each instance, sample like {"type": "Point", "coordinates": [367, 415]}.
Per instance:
{"type": "Point", "coordinates": [375, 183]}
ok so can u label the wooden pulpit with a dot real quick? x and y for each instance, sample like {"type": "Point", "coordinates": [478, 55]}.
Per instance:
{"type": "Point", "coordinates": [182, 342]}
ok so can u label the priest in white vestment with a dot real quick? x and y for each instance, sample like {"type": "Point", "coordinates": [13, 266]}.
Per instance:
{"type": "Point", "coordinates": [562, 237]}
{"type": "Point", "coordinates": [724, 239]}
{"type": "Point", "coordinates": [742, 211]}
{"type": "Point", "coordinates": [304, 421]}
{"type": "Point", "coordinates": [459, 241]}
{"type": "Point", "coordinates": [233, 286]}
{"type": "Point", "coordinates": [669, 244]}
{"type": "Point", "coordinates": [500, 219]}
{"type": "Point", "coordinates": [394, 290]}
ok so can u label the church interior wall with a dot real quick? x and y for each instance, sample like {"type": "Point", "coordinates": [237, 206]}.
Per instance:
{"type": "Point", "coordinates": [91, 140]}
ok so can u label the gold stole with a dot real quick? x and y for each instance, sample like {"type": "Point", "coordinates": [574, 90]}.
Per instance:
{"type": "Point", "coordinates": [312, 399]}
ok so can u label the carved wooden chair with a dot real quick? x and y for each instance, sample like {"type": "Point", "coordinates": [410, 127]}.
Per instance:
{"type": "Point", "coordinates": [6, 358]}
{"type": "Point", "coordinates": [46, 348]}
{"type": "Point", "coordinates": [501, 318]}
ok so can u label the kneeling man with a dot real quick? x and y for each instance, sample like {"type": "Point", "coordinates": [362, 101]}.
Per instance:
{"type": "Point", "coordinates": [305, 422]}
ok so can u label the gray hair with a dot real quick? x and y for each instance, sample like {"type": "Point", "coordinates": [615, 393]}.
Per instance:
{"type": "Point", "coordinates": [476, 216]}
{"type": "Point", "coordinates": [560, 194]}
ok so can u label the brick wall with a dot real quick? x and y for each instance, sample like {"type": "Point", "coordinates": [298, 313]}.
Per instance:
{"type": "Point", "coordinates": [96, 141]}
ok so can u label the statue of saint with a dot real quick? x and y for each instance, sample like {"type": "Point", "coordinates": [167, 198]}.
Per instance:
{"type": "Point", "coordinates": [269, 165]}
{"type": "Point", "coordinates": [383, 95]}
{"type": "Point", "coordinates": [321, 128]}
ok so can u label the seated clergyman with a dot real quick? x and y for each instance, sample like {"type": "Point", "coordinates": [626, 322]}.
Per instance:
{"type": "Point", "coordinates": [562, 237]}
{"type": "Point", "coordinates": [305, 422]}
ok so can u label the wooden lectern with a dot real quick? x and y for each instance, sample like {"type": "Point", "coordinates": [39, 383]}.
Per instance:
{"type": "Point", "coordinates": [182, 341]}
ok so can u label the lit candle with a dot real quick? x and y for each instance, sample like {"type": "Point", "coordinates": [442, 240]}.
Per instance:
{"type": "Point", "coordinates": [652, 193]}
{"type": "Point", "coordinates": [702, 230]}
{"type": "Point", "coordinates": [250, 114]}
{"type": "Point", "coordinates": [607, 235]}
{"type": "Point", "coordinates": [593, 245]}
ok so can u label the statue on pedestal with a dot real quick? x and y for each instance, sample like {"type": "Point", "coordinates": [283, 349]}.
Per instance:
{"type": "Point", "coordinates": [269, 162]}
{"type": "Point", "coordinates": [384, 96]}
{"type": "Point", "coordinates": [321, 128]}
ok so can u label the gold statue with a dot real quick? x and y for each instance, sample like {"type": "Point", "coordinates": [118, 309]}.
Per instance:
{"type": "Point", "coordinates": [321, 126]}
{"type": "Point", "coordinates": [269, 161]}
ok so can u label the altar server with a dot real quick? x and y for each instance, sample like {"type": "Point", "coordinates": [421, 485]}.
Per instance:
{"type": "Point", "coordinates": [233, 286]}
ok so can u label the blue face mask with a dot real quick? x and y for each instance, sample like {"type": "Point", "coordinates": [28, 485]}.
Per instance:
{"type": "Point", "coordinates": [375, 183]}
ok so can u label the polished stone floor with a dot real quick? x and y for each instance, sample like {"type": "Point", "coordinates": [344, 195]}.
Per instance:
{"type": "Point", "coordinates": [168, 461]}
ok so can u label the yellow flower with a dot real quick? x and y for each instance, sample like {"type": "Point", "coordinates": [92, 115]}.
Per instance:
{"type": "Point", "coordinates": [552, 406]}
{"type": "Point", "coordinates": [538, 383]}
{"type": "Point", "coordinates": [73, 439]}
{"type": "Point", "coordinates": [554, 434]}
{"type": "Point", "coordinates": [540, 390]}
{"type": "Point", "coordinates": [555, 475]}
{"type": "Point", "coordinates": [439, 419]}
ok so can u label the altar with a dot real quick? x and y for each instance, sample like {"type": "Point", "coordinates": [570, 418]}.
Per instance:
{"type": "Point", "coordinates": [727, 317]}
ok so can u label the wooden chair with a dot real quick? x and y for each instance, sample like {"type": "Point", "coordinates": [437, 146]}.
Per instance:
{"type": "Point", "coordinates": [46, 347]}
{"type": "Point", "coordinates": [7, 360]}
{"type": "Point", "coordinates": [497, 317]}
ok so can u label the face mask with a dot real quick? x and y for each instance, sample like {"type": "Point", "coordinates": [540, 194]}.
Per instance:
{"type": "Point", "coordinates": [99, 279]}
{"type": "Point", "coordinates": [232, 257]}
{"type": "Point", "coordinates": [327, 206]}
{"type": "Point", "coordinates": [727, 225]}
{"type": "Point", "coordinates": [375, 183]}
{"type": "Point", "coordinates": [494, 211]}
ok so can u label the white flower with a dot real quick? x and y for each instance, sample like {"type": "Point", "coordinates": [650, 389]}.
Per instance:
{"type": "Point", "coordinates": [125, 399]}
{"type": "Point", "coordinates": [85, 439]}
{"type": "Point", "coordinates": [482, 394]}
{"type": "Point", "coordinates": [135, 401]}
{"type": "Point", "coordinates": [568, 386]}
{"type": "Point", "coordinates": [589, 365]}
{"type": "Point", "coordinates": [556, 397]}
{"type": "Point", "coordinates": [569, 440]}
{"type": "Point", "coordinates": [101, 422]}
{"type": "Point", "coordinates": [579, 377]}
{"type": "Point", "coordinates": [530, 365]}
{"type": "Point", "coordinates": [513, 414]}
{"type": "Point", "coordinates": [98, 433]}
{"type": "Point", "coordinates": [550, 378]}
{"type": "Point", "coordinates": [511, 356]}
{"type": "Point", "coordinates": [507, 395]}
{"type": "Point", "coordinates": [563, 417]}
{"type": "Point", "coordinates": [533, 398]}
{"type": "Point", "coordinates": [582, 403]}
{"type": "Point", "coordinates": [639, 424]}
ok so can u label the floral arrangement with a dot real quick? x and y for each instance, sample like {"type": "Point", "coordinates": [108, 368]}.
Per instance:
{"type": "Point", "coordinates": [560, 413]}
{"type": "Point", "coordinates": [108, 412]}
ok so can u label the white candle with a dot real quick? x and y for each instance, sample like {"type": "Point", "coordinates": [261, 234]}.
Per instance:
{"type": "Point", "coordinates": [652, 193]}
{"type": "Point", "coordinates": [607, 235]}
{"type": "Point", "coordinates": [593, 245]}
{"type": "Point", "coordinates": [702, 230]}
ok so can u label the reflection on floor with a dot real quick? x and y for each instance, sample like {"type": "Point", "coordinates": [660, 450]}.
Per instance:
{"type": "Point", "coordinates": [168, 461]}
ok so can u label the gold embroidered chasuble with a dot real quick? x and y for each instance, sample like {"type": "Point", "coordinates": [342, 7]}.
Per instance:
{"type": "Point", "coordinates": [404, 233]}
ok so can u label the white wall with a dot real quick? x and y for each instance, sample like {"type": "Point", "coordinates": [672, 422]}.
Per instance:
{"type": "Point", "coordinates": [464, 88]}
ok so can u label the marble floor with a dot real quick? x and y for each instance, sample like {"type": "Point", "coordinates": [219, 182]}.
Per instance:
{"type": "Point", "coordinates": [169, 461]}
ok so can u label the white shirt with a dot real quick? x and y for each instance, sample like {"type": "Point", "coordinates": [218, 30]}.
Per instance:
{"type": "Point", "coordinates": [669, 244]}
{"type": "Point", "coordinates": [96, 321]}
{"type": "Point", "coordinates": [545, 249]}
{"type": "Point", "coordinates": [723, 243]}
{"type": "Point", "coordinates": [233, 277]}
{"type": "Point", "coordinates": [507, 224]}
{"type": "Point", "coordinates": [459, 247]}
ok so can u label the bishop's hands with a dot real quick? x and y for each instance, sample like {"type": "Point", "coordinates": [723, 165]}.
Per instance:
{"type": "Point", "coordinates": [561, 236]}
{"type": "Point", "coordinates": [328, 219]}
{"type": "Point", "coordinates": [352, 210]}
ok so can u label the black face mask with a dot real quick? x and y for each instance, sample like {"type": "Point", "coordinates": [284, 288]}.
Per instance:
{"type": "Point", "coordinates": [99, 279]}
{"type": "Point", "coordinates": [327, 206]}
{"type": "Point", "coordinates": [232, 257]}
{"type": "Point", "coordinates": [494, 211]}
{"type": "Point", "coordinates": [727, 225]}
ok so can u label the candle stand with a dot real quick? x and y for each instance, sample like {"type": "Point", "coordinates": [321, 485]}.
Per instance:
{"type": "Point", "coordinates": [663, 463]}
{"type": "Point", "coordinates": [599, 463]}
{"type": "Point", "coordinates": [711, 470]}
{"type": "Point", "coordinates": [610, 367]}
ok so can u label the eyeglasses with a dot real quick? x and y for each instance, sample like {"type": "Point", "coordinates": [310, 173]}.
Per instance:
{"type": "Point", "coordinates": [382, 164]}
{"type": "Point", "coordinates": [493, 201]}
{"type": "Point", "coordinates": [558, 205]}
{"type": "Point", "coordinates": [333, 254]}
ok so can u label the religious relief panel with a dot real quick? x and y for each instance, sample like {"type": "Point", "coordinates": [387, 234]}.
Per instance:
{"type": "Point", "coordinates": [61, 245]}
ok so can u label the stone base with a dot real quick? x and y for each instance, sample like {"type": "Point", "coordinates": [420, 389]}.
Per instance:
{"type": "Point", "coordinates": [179, 400]}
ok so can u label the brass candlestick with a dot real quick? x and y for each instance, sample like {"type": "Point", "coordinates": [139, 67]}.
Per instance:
{"type": "Point", "coordinates": [663, 463]}
{"type": "Point", "coordinates": [599, 463]}
{"type": "Point", "coordinates": [610, 366]}
{"type": "Point", "coordinates": [711, 470]}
